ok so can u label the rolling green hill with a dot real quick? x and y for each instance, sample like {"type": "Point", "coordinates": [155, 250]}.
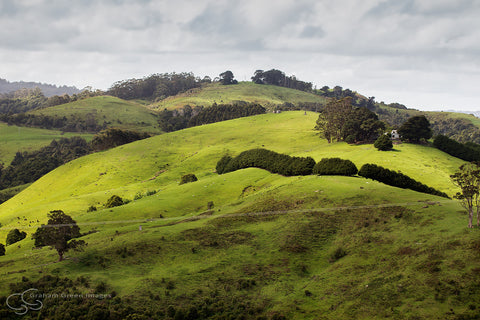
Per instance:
{"type": "Point", "coordinates": [114, 112]}
{"type": "Point", "coordinates": [300, 247]}
{"type": "Point", "coordinates": [266, 95]}
{"type": "Point", "coordinates": [14, 139]}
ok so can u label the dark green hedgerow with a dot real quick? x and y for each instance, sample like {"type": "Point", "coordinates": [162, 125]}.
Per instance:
{"type": "Point", "coordinates": [396, 179]}
{"type": "Point", "coordinates": [269, 160]}
{"type": "Point", "coordinates": [335, 166]}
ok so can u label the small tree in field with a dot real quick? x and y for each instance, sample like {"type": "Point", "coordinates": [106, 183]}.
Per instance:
{"type": "Point", "coordinates": [59, 233]}
{"type": "Point", "coordinates": [189, 177]}
{"type": "Point", "coordinates": [468, 180]}
{"type": "Point", "coordinates": [383, 143]}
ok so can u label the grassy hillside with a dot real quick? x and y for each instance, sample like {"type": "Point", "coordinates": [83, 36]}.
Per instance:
{"type": "Point", "coordinates": [113, 111]}
{"type": "Point", "coordinates": [302, 247]}
{"type": "Point", "coordinates": [265, 95]}
{"type": "Point", "coordinates": [14, 139]}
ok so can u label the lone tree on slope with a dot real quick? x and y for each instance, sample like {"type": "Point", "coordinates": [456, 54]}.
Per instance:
{"type": "Point", "coordinates": [59, 233]}
{"type": "Point", "coordinates": [468, 179]}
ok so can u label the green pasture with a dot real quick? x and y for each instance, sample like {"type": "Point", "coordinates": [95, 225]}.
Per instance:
{"type": "Point", "coordinates": [270, 242]}
{"type": "Point", "coordinates": [266, 95]}
{"type": "Point", "coordinates": [15, 139]}
{"type": "Point", "coordinates": [113, 111]}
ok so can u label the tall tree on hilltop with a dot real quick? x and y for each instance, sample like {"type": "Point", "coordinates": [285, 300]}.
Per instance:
{"type": "Point", "coordinates": [467, 178]}
{"type": "Point", "coordinates": [227, 78]}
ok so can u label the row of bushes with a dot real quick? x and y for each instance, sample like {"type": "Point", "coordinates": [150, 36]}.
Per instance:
{"type": "Point", "coordinates": [294, 166]}
{"type": "Point", "coordinates": [467, 152]}
{"type": "Point", "coordinates": [269, 160]}
{"type": "Point", "coordinates": [396, 179]}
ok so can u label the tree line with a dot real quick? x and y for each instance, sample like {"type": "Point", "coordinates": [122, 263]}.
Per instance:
{"type": "Point", "coordinates": [27, 167]}
{"type": "Point", "coordinates": [172, 120]}
{"type": "Point", "coordinates": [25, 100]}
{"type": "Point", "coordinates": [466, 151]}
{"type": "Point", "coordinates": [155, 86]}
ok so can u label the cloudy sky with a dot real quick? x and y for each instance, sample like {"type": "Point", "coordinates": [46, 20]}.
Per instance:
{"type": "Point", "coordinates": [422, 53]}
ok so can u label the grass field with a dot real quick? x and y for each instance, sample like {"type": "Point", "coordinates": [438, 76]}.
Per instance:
{"type": "Point", "coordinates": [302, 247]}
{"type": "Point", "coordinates": [114, 111]}
{"type": "Point", "coordinates": [14, 139]}
{"type": "Point", "coordinates": [266, 95]}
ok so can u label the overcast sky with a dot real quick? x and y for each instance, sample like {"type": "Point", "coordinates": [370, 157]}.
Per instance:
{"type": "Point", "coordinates": [422, 53]}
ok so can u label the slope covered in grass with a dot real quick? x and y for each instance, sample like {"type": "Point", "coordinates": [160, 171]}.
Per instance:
{"type": "Point", "coordinates": [266, 95]}
{"type": "Point", "coordinates": [15, 139]}
{"type": "Point", "coordinates": [112, 111]}
{"type": "Point", "coordinates": [303, 247]}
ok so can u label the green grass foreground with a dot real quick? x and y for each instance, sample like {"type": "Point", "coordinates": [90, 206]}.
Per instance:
{"type": "Point", "coordinates": [310, 247]}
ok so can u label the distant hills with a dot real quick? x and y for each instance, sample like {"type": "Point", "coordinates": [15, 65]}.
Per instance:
{"type": "Point", "coordinates": [47, 89]}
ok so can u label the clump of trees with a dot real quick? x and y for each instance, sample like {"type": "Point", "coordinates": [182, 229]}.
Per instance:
{"type": "Point", "coordinates": [227, 78]}
{"type": "Point", "coordinates": [335, 166]}
{"type": "Point", "coordinates": [467, 178]}
{"type": "Point", "coordinates": [14, 236]}
{"type": "Point", "coordinates": [383, 143]}
{"type": "Point", "coordinates": [269, 160]}
{"type": "Point", "coordinates": [27, 99]}
{"type": "Point", "coordinates": [60, 233]}
{"type": "Point", "coordinates": [464, 151]}
{"type": "Point", "coordinates": [2, 249]}
{"type": "Point", "coordinates": [279, 78]}
{"type": "Point", "coordinates": [341, 121]}
{"type": "Point", "coordinates": [111, 138]}
{"type": "Point", "coordinates": [187, 178]}
{"type": "Point", "coordinates": [114, 201]}
{"type": "Point", "coordinates": [27, 167]}
{"type": "Point", "coordinates": [415, 129]}
{"type": "Point", "coordinates": [172, 120]}
{"type": "Point", "coordinates": [155, 86]}
{"type": "Point", "coordinates": [396, 179]}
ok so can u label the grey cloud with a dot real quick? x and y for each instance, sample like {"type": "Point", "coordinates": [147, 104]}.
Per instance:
{"type": "Point", "coordinates": [312, 32]}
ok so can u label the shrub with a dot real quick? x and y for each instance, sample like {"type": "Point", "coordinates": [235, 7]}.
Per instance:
{"type": "Point", "coordinates": [14, 236]}
{"type": "Point", "coordinates": [337, 254]}
{"type": "Point", "coordinates": [2, 249]}
{"type": "Point", "coordinates": [335, 166]}
{"type": "Point", "coordinates": [114, 201]}
{"type": "Point", "coordinates": [150, 193]}
{"type": "Point", "coordinates": [269, 160]}
{"type": "Point", "coordinates": [189, 177]}
{"type": "Point", "coordinates": [92, 209]}
{"type": "Point", "coordinates": [396, 179]}
{"type": "Point", "coordinates": [383, 143]}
